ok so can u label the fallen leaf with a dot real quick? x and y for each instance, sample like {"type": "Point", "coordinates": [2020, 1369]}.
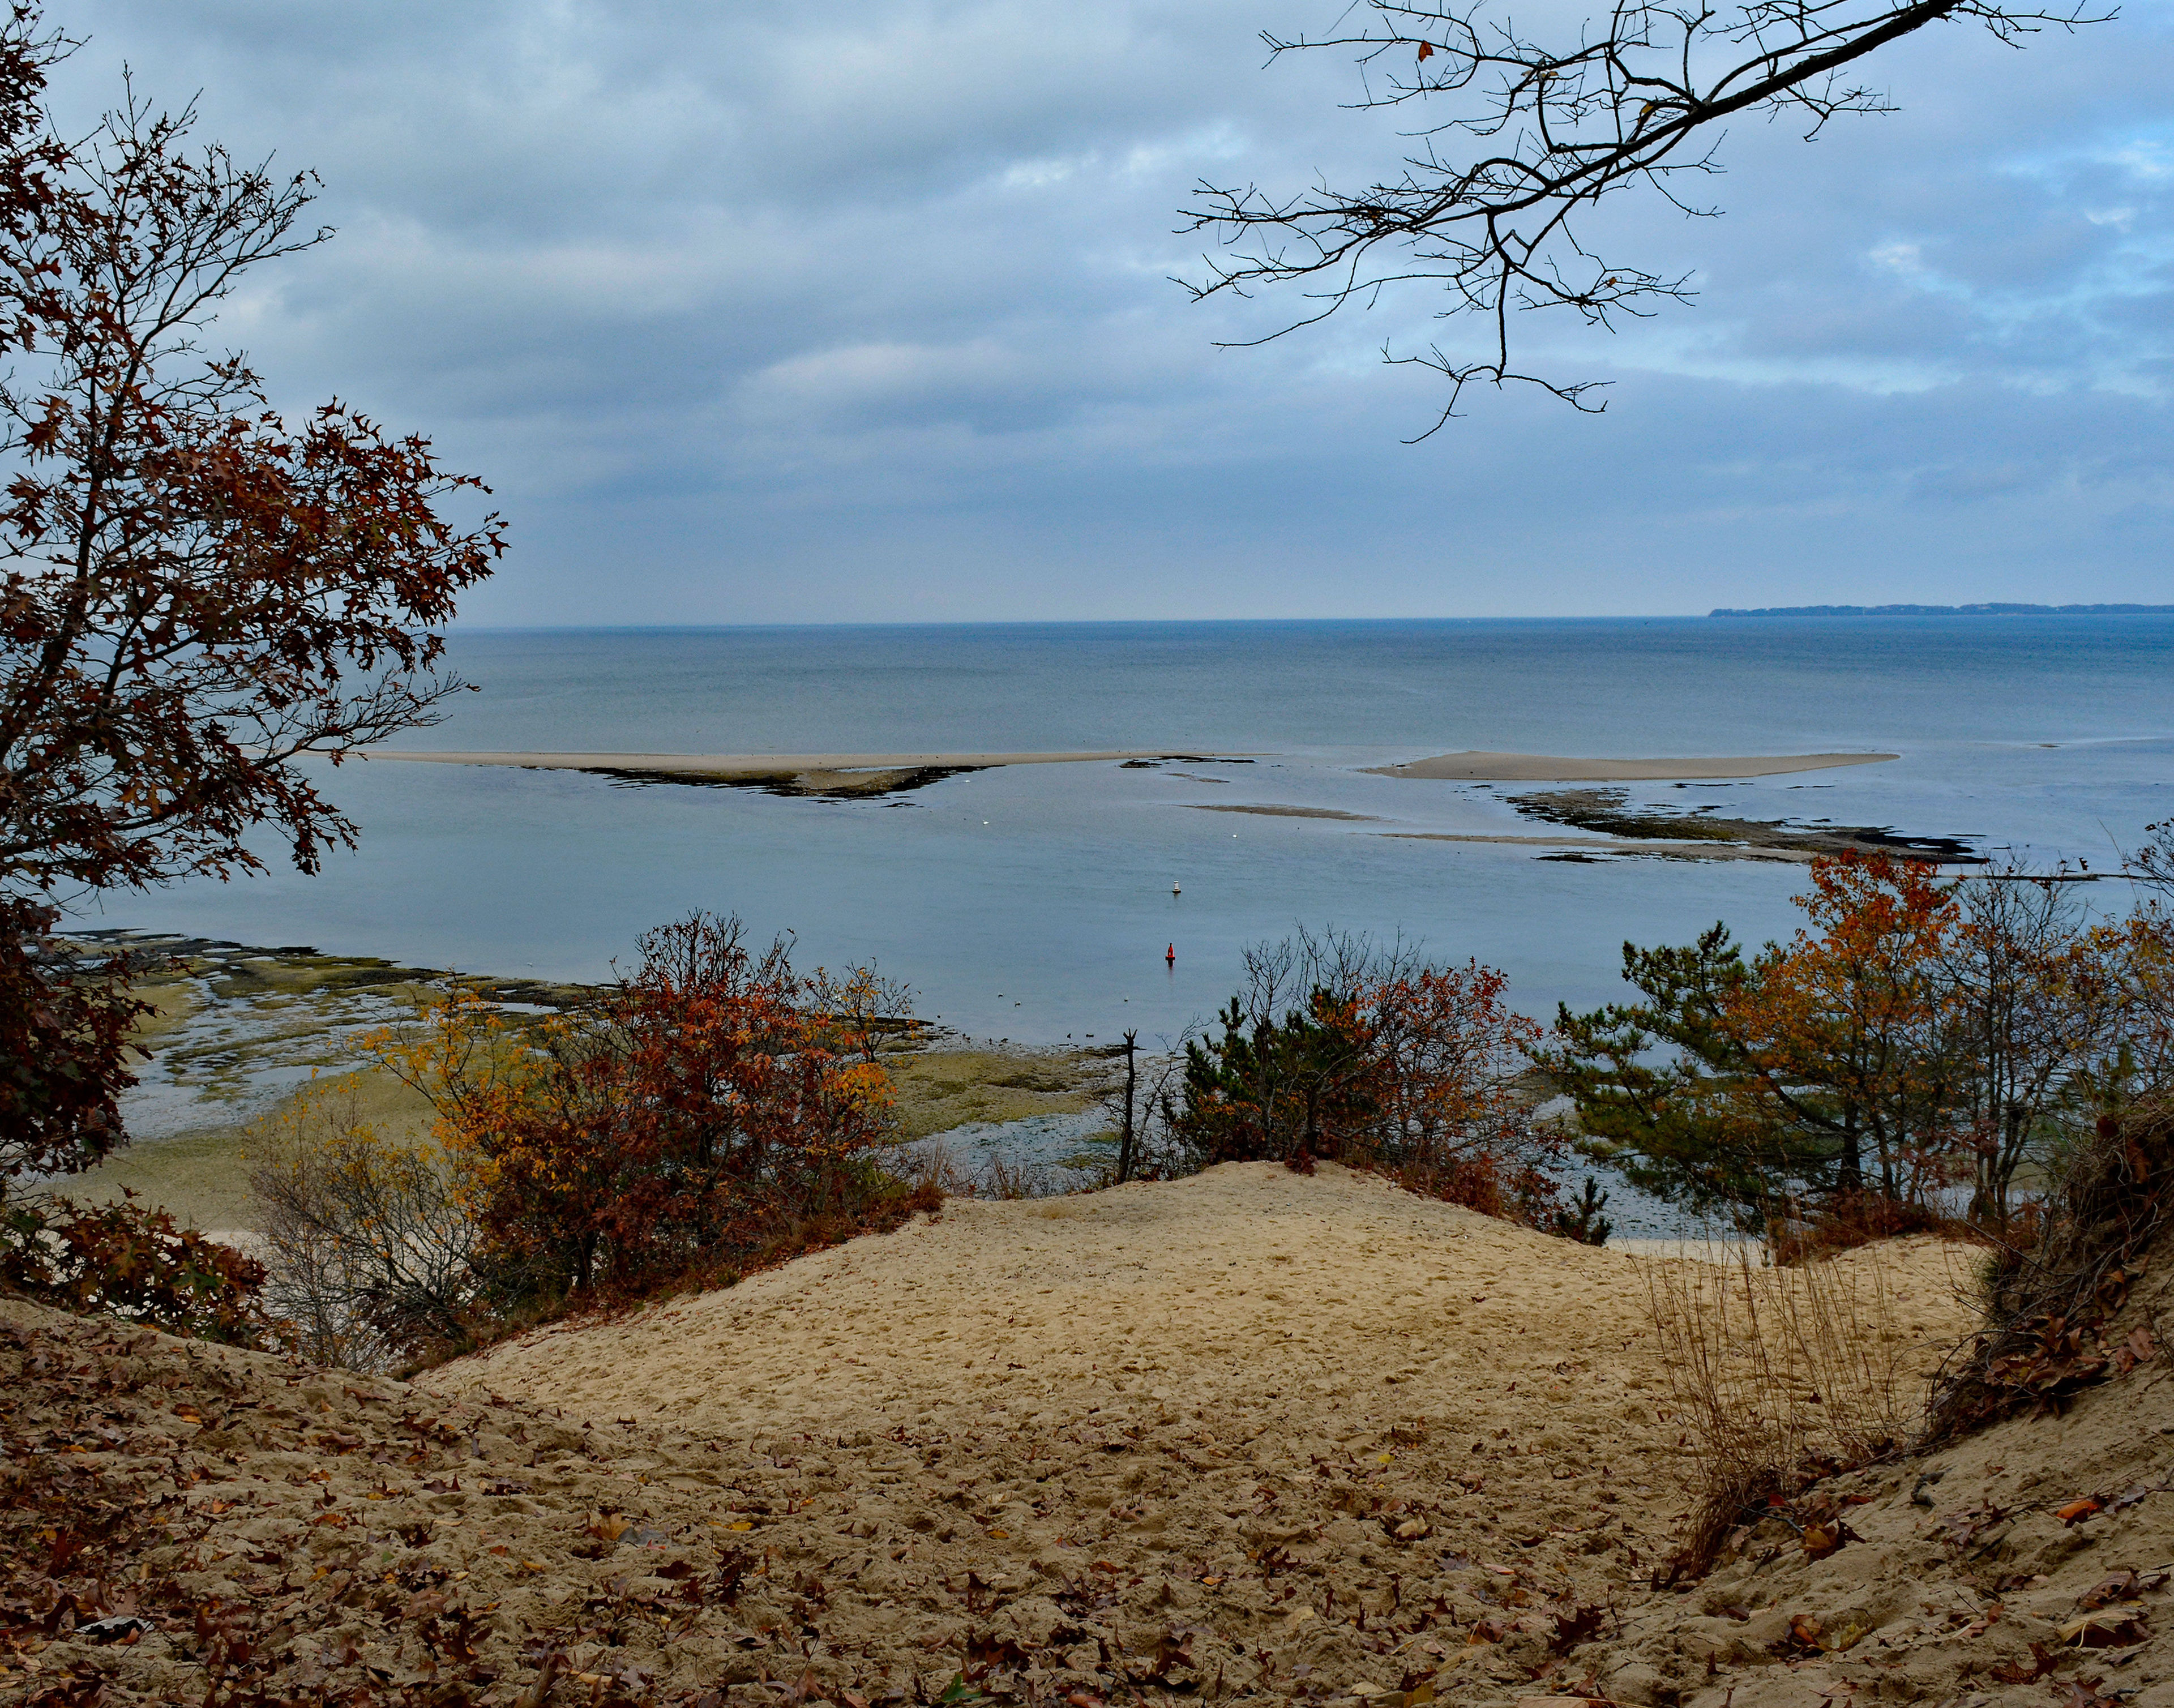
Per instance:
{"type": "Point", "coordinates": [2105, 1631]}
{"type": "Point", "coordinates": [2122, 1585]}
{"type": "Point", "coordinates": [2016, 1673]}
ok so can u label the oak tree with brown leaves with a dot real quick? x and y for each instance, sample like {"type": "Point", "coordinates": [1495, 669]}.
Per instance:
{"type": "Point", "coordinates": [195, 594]}
{"type": "Point", "coordinates": [199, 598]}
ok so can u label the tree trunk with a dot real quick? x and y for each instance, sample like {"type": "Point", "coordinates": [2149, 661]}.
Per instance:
{"type": "Point", "coordinates": [1125, 1142]}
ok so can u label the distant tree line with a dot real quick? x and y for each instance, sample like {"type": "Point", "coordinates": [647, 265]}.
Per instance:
{"type": "Point", "coordinates": [1984, 610]}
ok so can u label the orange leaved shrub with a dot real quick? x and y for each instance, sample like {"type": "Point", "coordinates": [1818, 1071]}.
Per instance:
{"type": "Point", "coordinates": [708, 1109]}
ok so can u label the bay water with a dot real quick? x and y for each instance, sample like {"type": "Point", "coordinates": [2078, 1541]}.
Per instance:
{"type": "Point", "coordinates": [1034, 902]}
{"type": "Point", "coordinates": [1041, 903]}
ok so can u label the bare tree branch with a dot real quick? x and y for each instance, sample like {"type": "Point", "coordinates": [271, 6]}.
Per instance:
{"type": "Point", "coordinates": [1517, 138]}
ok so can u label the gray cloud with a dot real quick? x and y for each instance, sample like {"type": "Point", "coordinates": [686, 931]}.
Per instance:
{"type": "Point", "coordinates": [755, 314]}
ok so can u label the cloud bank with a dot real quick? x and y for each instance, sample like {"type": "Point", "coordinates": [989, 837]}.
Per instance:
{"type": "Point", "coordinates": [751, 313]}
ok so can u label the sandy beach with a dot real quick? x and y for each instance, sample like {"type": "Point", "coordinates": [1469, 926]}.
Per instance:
{"type": "Point", "coordinates": [1544, 768]}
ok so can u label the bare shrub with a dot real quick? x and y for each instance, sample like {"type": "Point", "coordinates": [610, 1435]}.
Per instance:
{"type": "Point", "coordinates": [1845, 1221]}
{"type": "Point", "coordinates": [1783, 1376]}
{"type": "Point", "coordinates": [931, 1166]}
{"type": "Point", "coordinates": [2056, 1288]}
{"type": "Point", "coordinates": [370, 1251]}
{"type": "Point", "coordinates": [1012, 1178]}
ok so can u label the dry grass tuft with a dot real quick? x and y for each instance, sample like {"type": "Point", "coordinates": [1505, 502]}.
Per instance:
{"type": "Point", "coordinates": [1784, 1377]}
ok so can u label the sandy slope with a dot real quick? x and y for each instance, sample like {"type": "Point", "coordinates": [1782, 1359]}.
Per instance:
{"type": "Point", "coordinates": [1325, 1309]}
{"type": "Point", "coordinates": [1250, 1434]}
{"type": "Point", "coordinates": [1176, 1381]}
{"type": "Point", "coordinates": [2030, 1564]}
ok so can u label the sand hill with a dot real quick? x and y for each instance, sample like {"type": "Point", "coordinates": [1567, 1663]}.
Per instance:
{"type": "Point", "coordinates": [1247, 1435]}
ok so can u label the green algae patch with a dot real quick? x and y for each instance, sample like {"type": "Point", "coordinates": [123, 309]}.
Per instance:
{"type": "Point", "coordinates": [940, 1088]}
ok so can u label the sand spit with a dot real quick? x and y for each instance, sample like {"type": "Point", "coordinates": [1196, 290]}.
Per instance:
{"type": "Point", "coordinates": [787, 773]}
{"type": "Point", "coordinates": [1592, 846]}
{"type": "Point", "coordinates": [1273, 811]}
{"type": "Point", "coordinates": [1250, 1436]}
{"type": "Point", "coordinates": [1543, 768]}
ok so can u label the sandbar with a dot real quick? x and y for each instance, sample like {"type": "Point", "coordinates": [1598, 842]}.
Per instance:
{"type": "Point", "coordinates": [841, 775]}
{"type": "Point", "coordinates": [760, 765]}
{"type": "Point", "coordinates": [1548, 768]}
{"type": "Point", "coordinates": [1282, 812]}
{"type": "Point", "coordinates": [1594, 844]}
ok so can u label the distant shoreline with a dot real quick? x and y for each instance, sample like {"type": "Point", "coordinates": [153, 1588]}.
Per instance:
{"type": "Point", "coordinates": [1984, 610]}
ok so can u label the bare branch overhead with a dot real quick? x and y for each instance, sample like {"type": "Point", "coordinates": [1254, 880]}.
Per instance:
{"type": "Point", "coordinates": [1516, 139]}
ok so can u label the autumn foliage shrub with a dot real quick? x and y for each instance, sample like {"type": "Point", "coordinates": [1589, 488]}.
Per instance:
{"type": "Point", "coordinates": [1339, 1050]}
{"type": "Point", "coordinates": [123, 1260]}
{"type": "Point", "coordinates": [711, 1112]}
{"type": "Point", "coordinates": [1848, 1220]}
{"type": "Point", "coordinates": [1920, 1045]}
{"type": "Point", "coordinates": [65, 1025]}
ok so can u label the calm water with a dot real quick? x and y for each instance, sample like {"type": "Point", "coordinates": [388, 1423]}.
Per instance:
{"type": "Point", "coordinates": [1034, 902]}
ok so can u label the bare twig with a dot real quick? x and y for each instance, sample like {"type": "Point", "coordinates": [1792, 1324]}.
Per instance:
{"type": "Point", "coordinates": [1517, 138]}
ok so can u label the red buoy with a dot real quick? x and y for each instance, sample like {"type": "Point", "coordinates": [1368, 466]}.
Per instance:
{"type": "Point", "coordinates": [1169, 954]}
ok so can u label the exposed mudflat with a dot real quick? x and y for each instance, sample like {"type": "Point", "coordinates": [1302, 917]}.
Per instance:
{"type": "Point", "coordinates": [1546, 768]}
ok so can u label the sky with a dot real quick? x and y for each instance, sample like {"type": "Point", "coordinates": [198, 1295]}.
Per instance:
{"type": "Point", "coordinates": [768, 313]}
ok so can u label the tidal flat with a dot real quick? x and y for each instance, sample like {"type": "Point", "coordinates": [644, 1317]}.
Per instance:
{"type": "Point", "coordinates": [240, 1033]}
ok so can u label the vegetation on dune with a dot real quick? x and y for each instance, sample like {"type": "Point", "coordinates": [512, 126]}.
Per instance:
{"type": "Point", "coordinates": [1338, 1048]}
{"type": "Point", "coordinates": [711, 1112]}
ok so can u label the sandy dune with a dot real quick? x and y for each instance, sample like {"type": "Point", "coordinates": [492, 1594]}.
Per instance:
{"type": "Point", "coordinates": [1283, 1395]}
{"type": "Point", "coordinates": [1544, 768]}
{"type": "Point", "coordinates": [1246, 1436]}
{"type": "Point", "coordinates": [1328, 1307]}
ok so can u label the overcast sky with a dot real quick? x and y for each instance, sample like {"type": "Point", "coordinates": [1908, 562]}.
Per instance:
{"type": "Point", "coordinates": [757, 312]}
